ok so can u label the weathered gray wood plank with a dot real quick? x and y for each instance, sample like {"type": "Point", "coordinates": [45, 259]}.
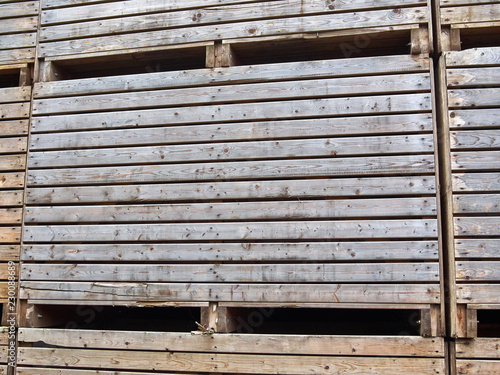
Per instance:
{"type": "Point", "coordinates": [476, 98]}
{"type": "Point", "coordinates": [405, 346]}
{"type": "Point", "coordinates": [244, 273]}
{"type": "Point", "coordinates": [476, 182]}
{"type": "Point", "coordinates": [480, 347]}
{"type": "Point", "coordinates": [11, 145]}
{"type": "Point", "coordinates": [14, 94]}
{"type": "Point", "coordinates": [18, 55]}
{"type": "Point", "coordinates": [327, 127]}
{"type": "Point", "coordinates": [335, 293]}
{"type": "Point", "coordinates": [473, 57]}
{"type": "Point", "coordinates": [11, 180]}
{"type": "Point", "coordinates": [477, 203]}
{"type": "Point", "coordinates": [473, 77]}
{"type": "Point", "coordinates": [12, 162]}
{"type": "Point", "coordinates": [11, 198]}
{"type": "Point", "coordinates": [471, 118]}
{"type": "Point", "coordinates": [14, 127]}
{"type": "Point", "coordinates": [384, 165]}
{"type": "Point", "coordinates": [381, 207]}
{"type": "Point", "coordinates": [477, 366]}
{"type": "Point", "coordinates": [236, 112]}
{"type": "Point", "coordinates": [275, 26]}
{"type": "Point", "coordinates": [15, 41]}
{"type": "Point", "coordinates": [477, 248]}
{"type": "Point", "coordinates": [321, 147]}
{"type": "Point", "coordinates": [19, 9]}
{"type": "Point", "coordinates": [187, 252]}
{"type": "Point", "coordinates": [476, 13]}
{"type": "Point", "coordinates": [235, 74]}
{"type": "Point", "coordinates": [417, 82]}
{"type": "Point", "coordinates": [478, 271]}
{"type": "Point", "coordinates": [287, 230]}
{"type": "Point", "coordinates": [9, 253]}
{"type": "Point", "coordinates": [477, 226]}
{"type": "Point", "coordinates": [478, 293]}
{"type": "Point", "coordinates": [16, 25]}
{"type": "Point", "coordinates": [10, 215]}
{"type": "Point", "coordinates": [291, 189]}
{"type": "Point", "coordinates": [475, 139]}
{"type": "Point", "coordinates": [478, 160]}
{"type": "Point", "coordinates": [14, 110]}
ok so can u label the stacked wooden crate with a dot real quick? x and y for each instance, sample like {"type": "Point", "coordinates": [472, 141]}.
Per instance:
{"type": "Point", "coordinates": [292, 184]}
{"type": "Point", "coordinates": [470, 82]}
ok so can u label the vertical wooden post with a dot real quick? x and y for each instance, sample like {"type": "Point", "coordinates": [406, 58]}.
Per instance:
{"type": "Point", "coordinates": [25, 76]}
{"type": "Point", "coordinates": [220, 55]}
{"type": "Point", "coordinates": [466, 322]}
{"type": "Point", "coordinates": [430, 322]}
{"type": "Point", "coordinates": [49, 71]}
{"type": "Point", "coordinates": [420, 40]}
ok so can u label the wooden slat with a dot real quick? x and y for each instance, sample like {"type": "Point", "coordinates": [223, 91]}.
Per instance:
{"type": "Point", "coordinates": [369, 125]}
{"type": "Point", "coordinates": [19, 9]}
{"type": "Point", "coordinates": [356, 187]}
{"type": "Point", "coordinates": [417, 82]}
{"type": "Point", "coordinates": [478, 271]}
{"type": "Point", "coordinates": [17, 110]}
{"type": "Point", "coordinates": [478, 348]}
{"type": "Point", "coordinates": [191, 252]}
{"type": "Point", "coordinates": [405, 346]}
{"type": "Point", "coordinates": [473, 77]}
{"type": "Point", "coordinates": [235, 112]}
{"type": "Point", "coordinates": [236, 74]}
{"type": "Point", "coordinates": [477, 248]}
{"type": "Point", "coordinates": [16, 25]}
{"type": "Point", "coordinates": [316, 209]}
{"type": "Point", "coordinates": [193, 17]}
{"type": "Point", "coordinates": [234, 170]}
{"type": "Point", "coordinates": [478, 293]}
{"type": "Point", "coordinates": [17, 55]}
{"type": "Point", "coordinates": [324, 293]}
{"type": "Point", "coordinates": [283, 26]}
{"type": "Point", "coordinates": [14, 94]}
{"type": "Point", "coordinates": [234, 231]}
{"type": "Point", "coordinates": [5, 272]}
{"type": "Point", "coordinates": [474, 97]}
{"type": "Point", "coordinates": [471, 118]}
{"type": "Point", "coordinates": [12, 162]}
{"type": "Point", "coordinates": [483, 367]}
{"type": "Point", "coordinates": [9, 235]}
{"type": "Point", "coordinates": [476, 182]}
{"type": "Point", "coordinates": [206, 362]}
{"type": "Point", "coordinates": [473, 57]}
{"type": "Point", "coordinates": [477, 226]}
{"type": "Point", "coordinates": [11, 198]}
{"type": "Point", "coordinates": [13, 145]}
{"type": "Point", "coordinates": [10, 215]}
{"type": "Point", "coordinates": [11, 180]}
{"type": "Point", "coordinates": [9, 252]}
{"type": "Point", "coordinates": [17, 127]}
{"type": "Point", "coordinates": [236, 273]}
{"type": "Point", "coordinates": [322, 147]}
{"type": "Point", "coordinates": [67, 371]}
{"type": "Point", "coordinates": [475, 139]}
{"type": "Point", "coordinates": [14, 41]}
{"type": "Point", "coordinates": [476, 13]}
{"type": "Point", "coordinates": [448, 3]}
{"type": "Point", "coordinates": [475, 160]}
{"type": "Point", "coordinates": [477, 203]}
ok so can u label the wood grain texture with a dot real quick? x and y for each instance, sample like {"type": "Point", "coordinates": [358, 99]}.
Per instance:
{"type": "Point", "coordinates": [18, 9]}
{"type": "Point", "coordinates": [483, 367]}
{"type": "Point", "coordinates": [14, 110]}
{"type": "Point", "coordinates": [477, 226]}
{"type": "Point", "coordinates": [473, 57]}
{"type": "Point", "coordinates": [477, 248]}
{"type": "Point", "coordinates": [478, 271]}
{"type": "Point", "coordinates": [473, 77]}
{"type": "Point", "coordinates": [17, 25]}
{"type": "Point", "coordinates": [15, 94]}
{"type": "Point", "coordinates": [11, 180]}
{"type": "Point", "coordinates": [10, 235]}
{"type": "Point", "coordinates": [476, 13]}
{"type": "Point", "coordinates": [11, 198]}
{"type": "Point", "coordinates": [467, 98]}
{"type": "Point", "coordinates": [12, 162]}
{"type": "Point", "coordinates": [477, 203]}
{"type": "Point", "coordinates": [472, 118]}
{"type": "Point", "coordinates": [15, 127]}
{"type": "Point", "coordinates": [476, 182]}
{"type": "Point", "coordinates": [475, 160]}
{"type": "Point", "coordinates": [475, 139]}
{"type": "Point", "coordinates": [199, 252]}
{"type": "Point", "coordinates": [478, 348]}
{"type": "Point", "coordinates": [319, 293]}
{"type": "Point", "coordinates": [478, 293]}
{"type": "Point", "coordinates": [13, 145]}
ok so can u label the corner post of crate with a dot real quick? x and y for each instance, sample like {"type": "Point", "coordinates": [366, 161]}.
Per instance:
{"type": "Point", "coordinates": [220, 54]}
{"type": "Point", "coordinates": [430, 322]}
{"type": "Point", "coordinates": [450, 39]}
{"type": "Point", "coordinates": [50, 71]}
{"type": "Point", "coordinates": [420, 40]}
{"type": "Point", "coordinates": [466, 322]}
{"type": "Point", "coordinates": [220, 319]}
{"type": "Point", "coordinates": [25, 76]}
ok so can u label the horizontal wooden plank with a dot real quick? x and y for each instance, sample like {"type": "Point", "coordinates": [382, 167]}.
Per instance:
{"type": "Point", "coordinates": [473, 77]}
{"type": "Point", "coordinates": [416, 82]}
{"type": "Point", "coordinates": [467, 98]}
{"type": "Point", "coordinates": [477, 226]}
{"type": "Point", "coordinates": [9, 253]}
{"type": "Point", "coordinates": [235, 74]}
{"type": "Point", "coordinates": [406, 346]}
{"type": "Point", "coordinates": [10, 234]}
{"type": "Point", "coordinates": [477, 248]}
{"type": "Point", "coordinates": [475, 160]}
{"type": "Point", "coordinates": [284, 210]}
{"type": "Point", "coordinates": [477, 203]}
{"type": "Point", "coordinates": [19, 25]}
{"type": "Point", "coordinates": [13, 145]}
{"type": "Point", "coordinates": [365, 125]}
{"type": "Point", "coordinates": [476, 13]}
{"type": "Point", "coordinates": [16, 127]}
{"type": "Point", "coordinates": [478, 293]}
{"type": "Point", "coordinates": [193, 17]}
{"type": "Point", "coordinates": [324, 293]}
{"type": "Point", "coordinates": [475, 139]}
{"type": "Point", "coordinates": [447, 3]}
{"type": "Point", "coordinates": [384, 165]}
{"type": "Point", "coordinates": [476, 182]}
{"type": "Point", "coordinates": [14, 94]}
{"type": "Point", "coordinates": [236, 112]}
{"type": "Point", "coordinates": [199, 252]}
{"type": "Point", "coordinates": [11, 180]}
{"type": "Point", "coordinates": [206, 362]}
{"type": "Point", "coordinates": [19, 9]}
{"type": "Point", "coordinates": [54, 371]}
{"type": "Point", "coordinates": [478, 271]}
{"type": "Point", "coordinates": [483, 367]}
{"type": "Point", "coordinates": [17, 55]}
{"type": "Point", "coordinates": [320, 147]}
{"type": "Point", "coordinates": [12, 41]}
{"type": "Point", "coordinates": [11, 215]}
{"type": "Point", "coordinates": [11, 198]}
{"type": "Point", "coordinates": [480, 347]}
{"type": "Point", "coordinates": [234, 231]}
{"type": "Point", "coordinates": [250, 273]}
{"type": "Point", "coordinates": [12, 162]}
{"type": "Point", "coordinates": [342, 187]}
{"type": "Point", "coordinates": [276, 26]}
{"type": "Point", "coordinates": [6, 271]}
{"type": "Point", "coordinates": [15, 110]}
{"type": "Point", "coordinates": [473, 57]}
{"type": "Point", "coordinates": [471, 118]}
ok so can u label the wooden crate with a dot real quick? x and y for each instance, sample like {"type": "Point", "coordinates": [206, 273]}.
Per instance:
{"type": "Point", "coordinates": [19, 23]}
{"type": "Point", "coordinates": [104, 352]}
{"type": "Point", "coordinates": [472, 95]}
{"type": "Point", "coordinates": [307, 182]}
{"type": "Point", "coordinates": [89, 28]}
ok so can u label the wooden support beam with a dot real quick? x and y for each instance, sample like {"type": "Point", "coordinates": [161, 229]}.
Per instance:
{"type": "Point", "coordinates": [50, 71]}
{"type": "Point", "coordinates": [450, 39]}
{"type": "Point", "coordinates": [420, 40]}
{"type": "Point", "coordinates": [221, 319]}
{"type": "Point", "coordinates": [25, 76]}
{"type": "Point", "coordinates": [466, 322]}
{"type": "Point", "coordinates": [220, 55]}
{"type": "Point", "coordinates": [430, 322]}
